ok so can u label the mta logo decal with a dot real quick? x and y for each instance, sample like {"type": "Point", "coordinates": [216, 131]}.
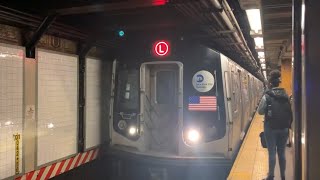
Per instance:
{"type": "Point", "coordinates": [199, 78]}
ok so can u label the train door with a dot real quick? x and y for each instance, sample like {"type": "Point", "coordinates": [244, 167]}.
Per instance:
{"type": "Point", "coordinates": [253, 95]}
{"type": "Point", "coordinates": [249, 94]}
{"type": "Point", "coordinates": [241, 103]}
{"type": "Point", "coordinates": [236, 107]}
{"type": "Point", "coordinates": [228, 88]}
{"type": "Point", "coordinates": [250, 97]}
{"type": "Point", "coordinates": [161, 102]}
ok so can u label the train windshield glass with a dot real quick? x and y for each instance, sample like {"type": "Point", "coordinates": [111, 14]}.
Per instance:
{"type": "Point", "coordinates": [165, 87]}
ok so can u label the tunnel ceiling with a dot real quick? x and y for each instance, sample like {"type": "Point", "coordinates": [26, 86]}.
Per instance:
{"type": "Point", "coordinates": [96, 21]}
{"type": "Point", "coordinates": [277, 31]}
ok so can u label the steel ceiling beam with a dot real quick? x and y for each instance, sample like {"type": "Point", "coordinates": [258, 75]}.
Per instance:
{"type": "Point", "coordinates": [278, 25]}
{"type": "Point", "coordinates": [107, 7]}
{"type": "Point", "coordinates": [41, 30]}
{"type": "Point", "coordinates": [277, 6]}
{"type": "Point", "coordinates": [269, 31]}
{"type": "Point", "coordinates": [277, 15]}
{"type": "Point", "coordinates": [276, 36]}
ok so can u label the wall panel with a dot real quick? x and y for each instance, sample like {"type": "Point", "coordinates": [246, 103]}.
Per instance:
{"type": "Point", "coordinates": [11, 109]}
{"type": "Point", "coordinates": [97, 92]}
{"type": "Point", "coordinates": [57, 103]}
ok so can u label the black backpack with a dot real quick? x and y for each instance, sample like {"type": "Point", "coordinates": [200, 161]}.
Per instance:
{"type": "Point", "coordinates": [278, 112]}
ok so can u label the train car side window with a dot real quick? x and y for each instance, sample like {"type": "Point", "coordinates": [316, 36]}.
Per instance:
{"type": "Point", "coordinates": [235, 90]}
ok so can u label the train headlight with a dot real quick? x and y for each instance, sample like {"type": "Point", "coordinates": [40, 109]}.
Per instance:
{"type": "Point", "coordinates": [193, 135]}
{"type": "Point", "coordinates": [132, 130]}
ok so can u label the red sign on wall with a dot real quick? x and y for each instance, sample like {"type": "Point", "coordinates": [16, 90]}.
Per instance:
{"type": "Point", "coordinates": [161, 48]}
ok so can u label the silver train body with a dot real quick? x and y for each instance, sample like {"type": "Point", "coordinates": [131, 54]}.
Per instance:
{"type": "Point", "coordinates": [153, 111]}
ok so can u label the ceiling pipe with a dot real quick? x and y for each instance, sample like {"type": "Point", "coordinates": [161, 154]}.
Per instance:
{"type": "Point", "coordinates": [191, 11]}
{"type": "Point", "coordinates": [186, 10]}
{"type": "Point", "coordinates": [34, 23]}
{"type": "Point", "coordinates": [216, 4]}
{"type": "Point", "coordinates": [220, 23]}
{"type": "Point", "coordinates": [233, 25]}
{"type": "Point", "coordinates": [223, 22]}
{"type": "Point", "coordinates": [228, 9]}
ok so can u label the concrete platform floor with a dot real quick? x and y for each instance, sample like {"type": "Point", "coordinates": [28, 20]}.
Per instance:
{"type": "Point", "coordinates": [252, 160]}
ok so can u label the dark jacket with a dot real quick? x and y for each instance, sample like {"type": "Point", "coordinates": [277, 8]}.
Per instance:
{"type": "Point", "coordinates": [274, 92]}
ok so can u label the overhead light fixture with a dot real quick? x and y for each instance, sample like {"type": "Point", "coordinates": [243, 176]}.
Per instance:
{"type": "Point", "coordinates": [50, 125]}
{"type": "Point", "coordinates": [261, 55]}
{"type": "Point", "coordinates": [262, 60]}
{"type": "Point", "coordinates": [8, 123]}
{"type": "Point", "coordinates": [263, 66]}
{"type": "Point", "coordinates": [3, 55]}
{"type": "Point", "coordinates": [259, 42]}
{"type": "Point", "coordinates": [254, 20]}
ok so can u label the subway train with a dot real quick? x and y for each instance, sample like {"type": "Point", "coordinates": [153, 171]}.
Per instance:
{"type": "Point", "coordinates": [176, 103]}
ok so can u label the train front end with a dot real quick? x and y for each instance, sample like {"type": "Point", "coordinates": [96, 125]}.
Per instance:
{"type": "Point", "coordinates": [168, 108]}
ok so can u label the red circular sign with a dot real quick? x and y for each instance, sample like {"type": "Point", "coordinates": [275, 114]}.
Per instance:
{"type": "Point", "coordinates": [161, 48]}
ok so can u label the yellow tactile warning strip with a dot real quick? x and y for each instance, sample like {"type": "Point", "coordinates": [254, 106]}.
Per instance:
{"type": "Point", "coordinates": [252, 160]}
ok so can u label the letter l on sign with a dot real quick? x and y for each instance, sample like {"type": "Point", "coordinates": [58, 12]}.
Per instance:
{"type": "Point", "coordinates": [161, 48]}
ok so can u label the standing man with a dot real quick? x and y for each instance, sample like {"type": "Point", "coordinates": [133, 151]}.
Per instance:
{"type": "Point", "coordinates": [275, 105]}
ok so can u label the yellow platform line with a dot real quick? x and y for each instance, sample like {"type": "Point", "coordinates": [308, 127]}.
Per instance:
{"type": "Point", "coordinates": [252, 160]}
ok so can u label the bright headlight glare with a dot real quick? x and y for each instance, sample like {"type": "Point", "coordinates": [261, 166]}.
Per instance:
{"type": "Point", "coordinates": [193, 135]}
{"type": "Point", "coordinates": [132, 130]}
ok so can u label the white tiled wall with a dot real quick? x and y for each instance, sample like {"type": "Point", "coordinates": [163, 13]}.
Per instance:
{"type": "Point", "coordinates": [93, 111]}
{"type": "Point", "coordinates": [11, 107]}
{"type": "Point", "coordinates": [57, 106]}
{"type": "Point", "coordinates": [96, 101]}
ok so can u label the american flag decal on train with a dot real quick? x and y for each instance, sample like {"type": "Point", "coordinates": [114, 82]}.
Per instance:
{"type": "Point", "coordinates": [202, 103]}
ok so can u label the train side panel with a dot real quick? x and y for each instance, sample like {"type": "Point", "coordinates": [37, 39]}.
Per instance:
{"type": "Point", "coordinates": [242, 92]}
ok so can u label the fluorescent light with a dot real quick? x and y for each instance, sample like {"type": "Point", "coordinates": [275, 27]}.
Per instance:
{"type": "Point", "coordinates": [3, 55]}
{"type": "Point", "coordinates": [265, 74]}
{"type": "Point", "coordinates": [254, 19]}
{"type": "Point", "coordinates": [261, 55]}
{"type": "Point", "coordinates": [263, 66]}
{"type": "Point", "coordinates": [50, 125]}
{"type": "Point", "coordinates": [303, 12]}
{"type": "Point", "coordinates": [259, 42]}
{"type": "Point", "coordinates": [262, 60]}
{"type": "Point", "coordinates": [8, 123]}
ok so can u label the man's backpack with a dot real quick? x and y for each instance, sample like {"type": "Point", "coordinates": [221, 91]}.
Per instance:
{"type": "Point", "coordinates": [278, 112]}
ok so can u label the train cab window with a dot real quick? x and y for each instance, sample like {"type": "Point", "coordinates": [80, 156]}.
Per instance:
{"type": "Point", "coordinates": [128, 94]}
{"type": "Point", "coordinates": [165, 87]}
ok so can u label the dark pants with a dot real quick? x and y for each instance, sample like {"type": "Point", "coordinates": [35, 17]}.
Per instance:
{"type": "Point", "coordinates": [276, 141]}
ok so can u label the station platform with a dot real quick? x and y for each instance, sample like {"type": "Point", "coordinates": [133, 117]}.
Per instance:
{"type": "Point", "coordinates": [252, 160]}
